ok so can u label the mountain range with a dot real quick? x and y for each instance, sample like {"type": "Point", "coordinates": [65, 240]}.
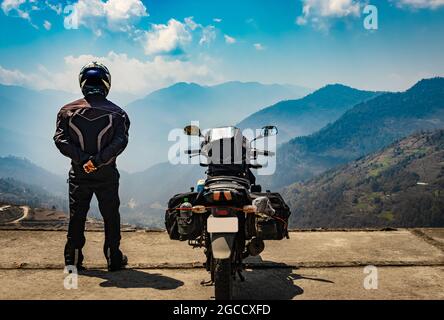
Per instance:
{"type": "Point", "coordinates": [149, 190]}
{"type": "Point", "coordinates": [365, 128]}
{"type": "Point", "coordinates": [29, 116]}
{"type": "Point", "coordinates": [400, 186]}
{"type": "Point", "coordinates": [377, 121]}
{"type": "Point", "coordinates": [307, 115]}
{"type": "Point", "coordinates": [21, 169]}
{"type": "Point", "coordinates": [357, 124]}
{"type": "Point", "coordinates": [156, 115]}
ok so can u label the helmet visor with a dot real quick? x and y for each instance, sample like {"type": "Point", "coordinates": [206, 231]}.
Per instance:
{"type": "Point", "coordinates": [93, 77]}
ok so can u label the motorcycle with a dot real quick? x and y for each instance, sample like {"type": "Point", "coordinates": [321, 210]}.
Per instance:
{"type": "Point", "coordinates": [228, 215]}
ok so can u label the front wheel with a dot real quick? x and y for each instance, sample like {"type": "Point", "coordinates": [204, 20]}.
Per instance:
{"type": "Point", "coordinates": [223, 279]}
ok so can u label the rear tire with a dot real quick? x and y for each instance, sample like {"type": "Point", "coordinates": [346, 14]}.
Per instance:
{"type": "Point", "coordinates": [223, 279]}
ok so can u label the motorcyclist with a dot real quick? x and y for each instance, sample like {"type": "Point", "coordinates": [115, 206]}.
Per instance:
{"type": "Point", "coordinates": [92, 132]}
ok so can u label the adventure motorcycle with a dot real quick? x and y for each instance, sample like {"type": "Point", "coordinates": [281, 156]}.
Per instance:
{"type": "Point", "coordinates": [228, 215]}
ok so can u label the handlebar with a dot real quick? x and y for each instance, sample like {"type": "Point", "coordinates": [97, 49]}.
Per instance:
{"type": "Point", "coordinates": [269, 153]}
{"type": "Point", "coordinates": [263, 153]}
{"type": "Point", "coordinates": [192, 151]}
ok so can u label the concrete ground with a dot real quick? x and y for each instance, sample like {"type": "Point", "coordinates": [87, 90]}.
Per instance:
{"type": "Point", "coordinates": [311, 265]}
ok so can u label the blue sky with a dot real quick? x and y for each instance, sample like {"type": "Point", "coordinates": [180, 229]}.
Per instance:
{"type": "Point", "coordinates": [152, 44]}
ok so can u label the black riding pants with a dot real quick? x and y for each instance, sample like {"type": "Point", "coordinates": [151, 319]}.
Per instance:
{"type": "Point", "coordinates": [104, 183]}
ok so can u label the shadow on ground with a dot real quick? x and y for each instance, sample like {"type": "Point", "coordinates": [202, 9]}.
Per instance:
{"type": "Point", "coordinates": [131, 278]}
{"type": "Point", "coordinates": [277, 283]}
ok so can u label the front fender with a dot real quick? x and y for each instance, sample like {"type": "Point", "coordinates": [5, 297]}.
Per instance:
{"type": "Point", "coordinates": [222, 244]}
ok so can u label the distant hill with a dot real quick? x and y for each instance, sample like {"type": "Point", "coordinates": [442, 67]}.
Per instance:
{"type": "Point", "coordinates": [190, 101]}
{"type": "Point", "coordinates": [21, 169]}
{"type": "Point", "coordinates": [24, 183]}
{"type": "Point", "coordinates": [144, 195]}
{"type": "Point", "coordinates": [400, 186]}
{"type": "Point", "coordinates": [365, 128]}
{"type": "Point", "coordinates": [153, 117]}
{"type": "Point", "coordinates": [304, 116]}
{"type": "Point", "coordinates": [27, 124]}
{"type": "Point", "coordinates": [16, 192]}
{"type": "Point", "coordinates": [31, 112]}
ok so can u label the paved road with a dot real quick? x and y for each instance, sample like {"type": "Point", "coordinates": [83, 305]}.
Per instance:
{"type": "Point", "coordinates": [25, 210]}
{"type": "Point", "coordinates": [304, 283]}
{"type": "Point", "coordinates": [311, 265]}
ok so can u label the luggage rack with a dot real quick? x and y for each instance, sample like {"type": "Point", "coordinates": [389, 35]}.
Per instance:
{"type": "Point", "coordinates": [242, 181]}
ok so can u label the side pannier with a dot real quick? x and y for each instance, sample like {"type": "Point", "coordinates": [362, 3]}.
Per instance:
{"type": "Point", "coordinates": [180, 222]}
{"type": "Point", "coordinates": [272, 216]}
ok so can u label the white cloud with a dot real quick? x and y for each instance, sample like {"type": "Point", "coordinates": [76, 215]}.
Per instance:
{"type": "Point", "coordinates": [217, 20]}
{"type": "Point", "coordinates": [321, 13]}
{"type": "Point", "coordinates": [173, 37]}
{"type": "Point", "coordinates": [14, 77]}
{"type": "Point", "coordinates": [9, 6]}
{"type": "Point", "coordinates": [114, 15]}
{"type": "Point", "coordinates": [167, 38]}
{"type": "Point", "coordinates": [229, 40]}
{"type": "Point", "coordinates": [208, 35]}
{"type": "Point", "coordinates": [98, 15]}
{"type": "Point", "coordinates": [317, 12]}
{"type": "Point", "coordinates": [57, 8]}
{"type": "Point", "coordinates": [421, 4]}
{"type": "Point", "coordinates": [191, 24]}
{"type": "Point", "coordinates": [124, 9]}
{"type": "Point", "coordinates": [130, 75]}
{"type": "Point", "coordinates": [47, 25]}
{"type": "Point", "coordinates": [259, 46]}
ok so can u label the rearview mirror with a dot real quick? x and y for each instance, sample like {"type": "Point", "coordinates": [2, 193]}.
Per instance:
{"type": "Point", "coordinates": [192, 131]}
{"type": "Point", "coordinates": [269, 131]}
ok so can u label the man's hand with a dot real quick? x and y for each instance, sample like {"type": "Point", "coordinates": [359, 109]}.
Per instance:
{"type": "Point", "coordinates": [89, 167]}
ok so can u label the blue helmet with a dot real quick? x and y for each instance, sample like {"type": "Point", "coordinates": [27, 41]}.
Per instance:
{"type": "Point", "coordinates": [95, 78]}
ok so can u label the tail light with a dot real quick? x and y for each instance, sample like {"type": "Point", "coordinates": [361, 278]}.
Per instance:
{"type": "Point", "coordinates": [220, 212]}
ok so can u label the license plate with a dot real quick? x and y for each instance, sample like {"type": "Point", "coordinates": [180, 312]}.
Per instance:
{"type": "Point", "coordinates": [222, 225]}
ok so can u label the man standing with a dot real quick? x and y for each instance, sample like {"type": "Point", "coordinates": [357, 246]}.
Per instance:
{"type": "Point", "coordinates": [92, 132]}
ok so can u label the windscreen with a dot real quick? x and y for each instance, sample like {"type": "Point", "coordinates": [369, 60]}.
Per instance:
{"type": "Point", "coordinates": [222, 133]}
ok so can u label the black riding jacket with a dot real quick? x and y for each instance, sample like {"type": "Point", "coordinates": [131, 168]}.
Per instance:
{"type": "Point", "coordinates": [92, 128]}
